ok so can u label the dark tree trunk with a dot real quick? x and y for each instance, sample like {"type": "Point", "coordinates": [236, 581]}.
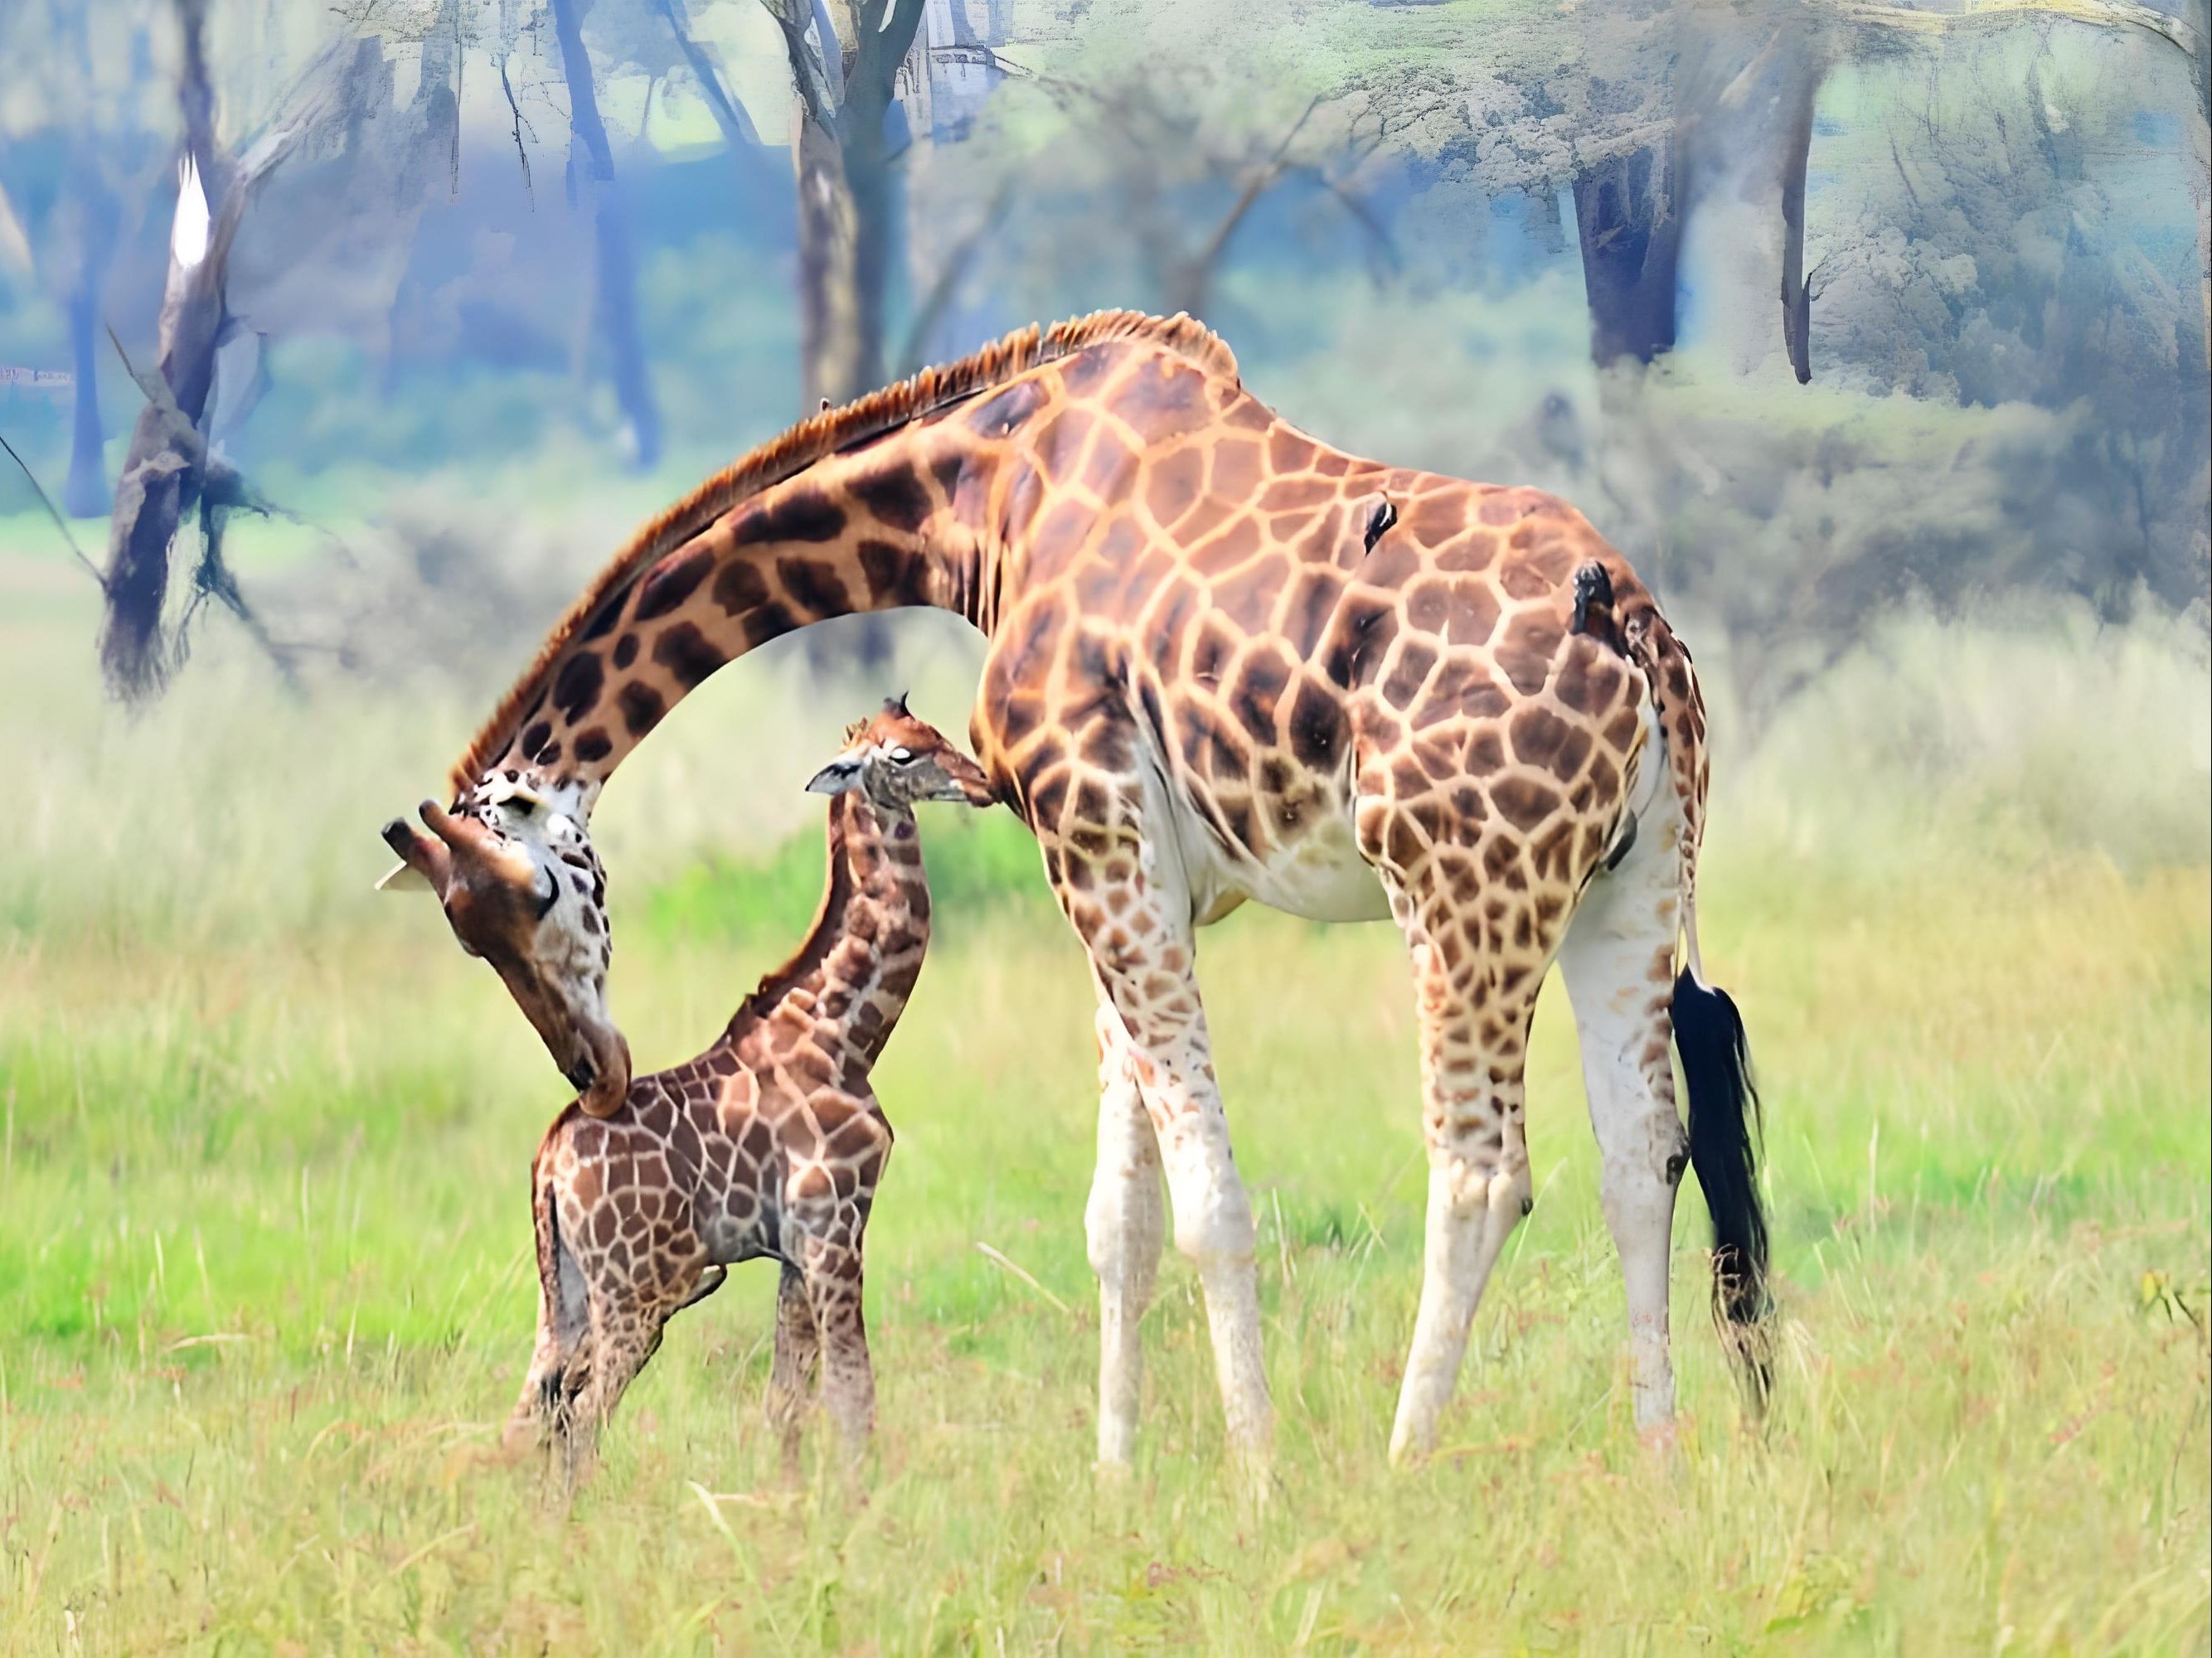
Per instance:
{"type": "Point", "coordinates": [1627, 217]}
{"type": "Point", "coordinates": [832, 368]}
{"type": "Point", "coordinates": [1796, 288]}
{"type": "Point", "coordinates": [614, 286]}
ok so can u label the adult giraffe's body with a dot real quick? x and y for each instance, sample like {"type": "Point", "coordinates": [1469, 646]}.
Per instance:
{"type": "Point", "coordinates": [1227, 662]}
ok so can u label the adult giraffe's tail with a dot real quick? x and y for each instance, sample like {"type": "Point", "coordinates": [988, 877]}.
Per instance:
{"type": "Point", "coordinates": [1708, 1033]}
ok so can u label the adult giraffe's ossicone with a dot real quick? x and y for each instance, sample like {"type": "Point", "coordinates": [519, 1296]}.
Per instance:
{"type": "Point", "coordinates": [1227, 662]}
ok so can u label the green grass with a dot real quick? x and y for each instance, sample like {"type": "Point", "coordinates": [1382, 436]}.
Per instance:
{"type": "Point", "coordinates": [265, 1285]}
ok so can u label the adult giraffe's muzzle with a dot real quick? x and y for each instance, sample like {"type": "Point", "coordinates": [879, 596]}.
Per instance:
{"type": "Point", "coordinates": [503, 906]}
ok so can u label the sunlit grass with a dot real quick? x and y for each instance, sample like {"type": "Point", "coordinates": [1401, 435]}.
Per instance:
{"type": "Point", "coordinates": [265, 1285]}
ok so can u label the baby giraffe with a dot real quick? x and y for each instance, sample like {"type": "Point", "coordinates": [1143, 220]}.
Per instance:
{"type": "Point", "coordinates": [770, 1142]}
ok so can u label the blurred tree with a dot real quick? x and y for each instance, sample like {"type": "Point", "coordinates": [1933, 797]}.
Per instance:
{"type": "Point", "coordinates": [591, 175]}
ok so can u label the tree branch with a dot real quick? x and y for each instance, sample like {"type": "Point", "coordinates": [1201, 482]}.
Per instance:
{"type": "Point", "coordinates": [738, 130]}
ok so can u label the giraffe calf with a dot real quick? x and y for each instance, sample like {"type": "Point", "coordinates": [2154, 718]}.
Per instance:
{"type": "Point", "coordinates": [769, 1143]}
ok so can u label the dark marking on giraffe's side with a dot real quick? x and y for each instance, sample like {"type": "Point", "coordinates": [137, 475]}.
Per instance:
{"type": "Point", "coordinates": [1266, 673]}
{"type": "Point", "coordinates": [766, 622]}
{"type": "Point", "coordinates": [738, 587]}
{"type": "Point", "coordinates": [814, 587]}
{"type": "Point", "coordinates": [1000, 414]}
{"type": "Point", "coordinates": [1359, 637]}
{"type": "Point", "coordinates": [593, 745]}
{"type": "Point", "coordinates": [642, 707]}
{"type": "Point", "coordinates": [894, 574]}
{"type": "Point", "coordinates": [534, 740]}
{"type": "Point", "coordinates": [625, 651]}
{"type": "Point", "coordinates": [549, 755]}
{"type": "Point", "coordinates": [1316, 725]}
{"type": "Point", "coordinates": [802, 514]}
{"type": "Point", "coordinates": [895, 496]}
{"type": "Point", "coordinates": [687, 653]}
{"type": "Point", "coordinates": [671, 582]}
{"type": "Point", "coordinates": [576, 687]}
{"type": "Point", "coordinates": [1313, 602]}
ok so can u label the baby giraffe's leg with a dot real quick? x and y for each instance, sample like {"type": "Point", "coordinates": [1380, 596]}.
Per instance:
{"type": "Point", "coordinates": [540, 1416]}
{"type": "Point", "coordinates": [832, 1273]}
{"type": "Point", "coordinates": [798, 1348]}
{"type": "Point", "coordinates": [625, 1335]}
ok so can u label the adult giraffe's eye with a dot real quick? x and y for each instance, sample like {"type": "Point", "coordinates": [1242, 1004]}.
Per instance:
{"type": "Point", "coordinates": [901, 756]}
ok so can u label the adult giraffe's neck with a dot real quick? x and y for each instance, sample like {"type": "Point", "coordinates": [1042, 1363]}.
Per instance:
{"type": "Point", "coordinates": [899, 520]}
{"type": "Point", "coordinates": [851, 979]}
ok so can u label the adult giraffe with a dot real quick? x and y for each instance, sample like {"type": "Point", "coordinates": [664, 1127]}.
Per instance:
{"type": "Point", "coordinates": [1227, 662]}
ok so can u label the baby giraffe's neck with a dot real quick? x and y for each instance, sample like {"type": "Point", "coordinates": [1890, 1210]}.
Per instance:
{"type": "Point", "coordinates": [851, 979]}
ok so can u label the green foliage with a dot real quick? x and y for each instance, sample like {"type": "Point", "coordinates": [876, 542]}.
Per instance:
{"type": "Point", "coordinates": [977, 864]}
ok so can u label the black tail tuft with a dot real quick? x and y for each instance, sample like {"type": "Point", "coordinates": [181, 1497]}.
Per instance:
{"type": "Point", "coordinates": [1723, 1151]}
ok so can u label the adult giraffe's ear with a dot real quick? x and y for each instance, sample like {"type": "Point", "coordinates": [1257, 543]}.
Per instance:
{"type": "Point", "coordinates": [424, 862]}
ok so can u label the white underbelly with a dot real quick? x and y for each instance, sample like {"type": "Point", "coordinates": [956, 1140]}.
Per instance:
{"type": "Point", "coordinates": [1322, 877]}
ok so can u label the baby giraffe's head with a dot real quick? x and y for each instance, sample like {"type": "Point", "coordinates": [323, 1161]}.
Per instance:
{"type": "Point", "coordinates": [896, 759]}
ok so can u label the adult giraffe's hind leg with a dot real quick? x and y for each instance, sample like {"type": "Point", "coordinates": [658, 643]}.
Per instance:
{"type": "Point", "coordinates": [1619, 964]}
{"type": "Point", "coordinates": [1474, 1005]}
{"type": "Point", "coordinates": [1122, 889]}
{"type": "Point", "coordinates": [1125, 1227]}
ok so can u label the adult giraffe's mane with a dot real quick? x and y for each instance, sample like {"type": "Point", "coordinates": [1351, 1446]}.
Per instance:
{"type": "Point", "coordinates": [782, 457]}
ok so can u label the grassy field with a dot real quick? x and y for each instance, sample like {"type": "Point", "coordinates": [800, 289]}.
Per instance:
{"type": "Point", "coordinates": [265, 1291]}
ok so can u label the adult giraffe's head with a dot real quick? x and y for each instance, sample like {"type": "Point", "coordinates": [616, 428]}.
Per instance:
{"type": "Point", "coordinates": [523, 889]}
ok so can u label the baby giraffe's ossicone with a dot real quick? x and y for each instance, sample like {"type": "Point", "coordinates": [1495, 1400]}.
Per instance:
{"type": "Point", "coordinates": [769, 1143]}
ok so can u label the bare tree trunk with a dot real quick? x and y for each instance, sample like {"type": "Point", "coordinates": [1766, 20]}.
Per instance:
{"type": "Point", "coordinates": [832, 366]}
{"type": "Point", "coordinates": [1796, 287]}
{"type": "Point", "coordinates": [1627, 216]}
{"type": "Point", "coordinates": [614, 283]}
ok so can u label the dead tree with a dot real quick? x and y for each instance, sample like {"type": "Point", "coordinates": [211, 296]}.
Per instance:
{"type": "Point", "coordinates": [169, 475]}
{"type": "Point", "coordinates": [614, 285]}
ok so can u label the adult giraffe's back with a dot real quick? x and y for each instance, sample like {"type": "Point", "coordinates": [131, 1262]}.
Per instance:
{"type": "Point", "coordinates": [1227, 662]}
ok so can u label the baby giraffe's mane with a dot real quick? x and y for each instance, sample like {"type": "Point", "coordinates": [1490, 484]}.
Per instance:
{"type": "Point", "coordinates": [924, 393]}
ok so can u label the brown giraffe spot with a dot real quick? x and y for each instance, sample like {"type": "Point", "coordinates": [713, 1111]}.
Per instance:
{"type": "Point", "coordinates": [1306, 613]}
{"type": "Point", "coordinates": [739, 587]}
{"type": "Point", "coordinates": [895, 496]}
{"type": "Point", "coordinates": [1409, 671]}
{"type": "Point", "coordinates": [1289, 451]}
{"type": "Point", "coordinates": [671, 582]}
{"type": "Point", "coordinates": [814, 587]}
{"type": "Point", "coordinates": [1524, 581]}
{"type": "Point", "coordinates": [1523, 802]}
{"type": "Point", "coordinates": [999, 415]}
{"type": "Point", "coordinates": [642, 707]}
{"type": "Point", "coordinates": [1316, 725]}
{"type": "Point", "coordinates": [894, 575]}
{"type": "Point", "coordinates": [1261, 683]}
{"type": "Point", "coordinates": [1361, 633]}
{"type": "Point", "coordinates": [802, 514]}
{"type": "Point", "coordinates": [1176, 479]}
{"type": "Point", "coordinates": [1163, 399]}
{"type": "Point", "coordinates": [593, 745]}
{"type": "Point", "coordinates": [687, 653]}
{"type": "Point", "coordinates": [576, 687]}
{"type": "Point", "coordinates": [1230, 547]}
{"type": "Point", "coordinates": [534, 739]}
{"type": "Point", "coordinates": [1475, 551]}
{"type": "Point", "coordinates": [1235, 469]}
{"type": "Point", "coordinates": [1537, 735]}
{"type": "Point", "coordinates": [625, 652]}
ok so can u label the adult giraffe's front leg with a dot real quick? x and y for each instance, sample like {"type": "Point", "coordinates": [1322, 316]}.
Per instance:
{"type": "Point", "coordinates": [1124, 1225]}
{"type": "Point", "coordinates": [1124, 895]}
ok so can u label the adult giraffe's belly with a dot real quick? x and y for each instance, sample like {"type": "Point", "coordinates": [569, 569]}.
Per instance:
{"type": "Point", "coordinates": [1320, 875]}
